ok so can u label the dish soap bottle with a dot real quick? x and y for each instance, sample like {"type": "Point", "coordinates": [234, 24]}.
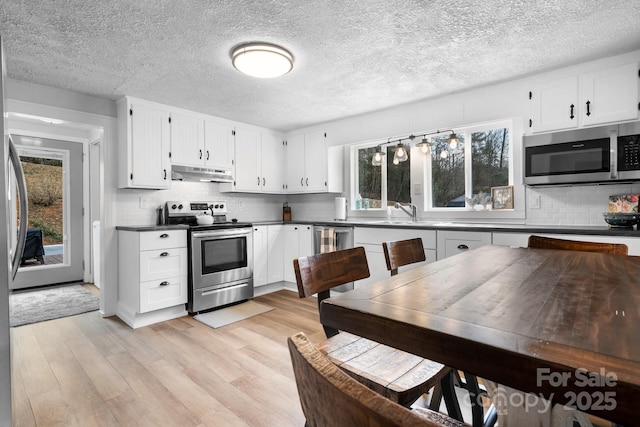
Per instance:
{"type": "Point", "coordinates": [359, 202]}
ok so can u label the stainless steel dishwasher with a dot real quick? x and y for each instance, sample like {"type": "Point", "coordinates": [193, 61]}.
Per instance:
{"type": "Point", "coordinates": [344, 240]}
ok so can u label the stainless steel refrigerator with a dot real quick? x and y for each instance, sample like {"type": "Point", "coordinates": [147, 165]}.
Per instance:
{"type": "Point", "coordinates": [13, 187]}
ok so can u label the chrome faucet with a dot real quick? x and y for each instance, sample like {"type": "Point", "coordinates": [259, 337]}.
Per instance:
{"type": "Point", "coordinates": [414, 211]}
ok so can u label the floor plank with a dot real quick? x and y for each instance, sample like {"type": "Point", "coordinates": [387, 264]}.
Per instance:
{"type": "Point", "coordinates": [87, 370]}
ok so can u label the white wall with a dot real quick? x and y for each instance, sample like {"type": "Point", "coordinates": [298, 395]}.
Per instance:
{"type": "Point", "coordinates": [574, 205]}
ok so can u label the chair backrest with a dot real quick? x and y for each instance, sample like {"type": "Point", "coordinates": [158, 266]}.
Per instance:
{"type": "Point", "coordinates": [318, 273]}
{"type": "Point", "coordinates": [540, 242]}
{"type": "Point", "coordinates": [330, 397]}
{"type": "Point", "coordinates": [403, 252]}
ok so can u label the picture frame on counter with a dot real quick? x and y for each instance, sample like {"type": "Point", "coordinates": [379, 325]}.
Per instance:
{"type": "Point", "coordinates": [502, 197]}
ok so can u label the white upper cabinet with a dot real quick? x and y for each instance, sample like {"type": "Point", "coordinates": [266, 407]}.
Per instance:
{"type": "Point", "coordinates": [218, 145]}
{"type": "Point", "coordinates": [187, 140]}
{"type": "Point", "coordinates": [610, 95]}
{"type": "Point", "coordinates": [554, 104]}
{"type": "Point", "coordinates": [258, 162]}
{"type": "Point", "coordinates": [248, 173]}
{"type": "Point", "coordinates": [144, 139]}
{"type": "Point", "coordinates": [600, 96]}
{"type": "Point", "coordinates": [311, 166]}
{"type": "Point", "coordinates": [201, 142]}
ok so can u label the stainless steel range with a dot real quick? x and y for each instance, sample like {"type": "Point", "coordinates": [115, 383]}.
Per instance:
{"type": "Point", "coordinates": [220, 254]}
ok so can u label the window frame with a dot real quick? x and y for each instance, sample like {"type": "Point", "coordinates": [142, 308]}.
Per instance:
{"type": "Point", "coordinates": [420, 170]}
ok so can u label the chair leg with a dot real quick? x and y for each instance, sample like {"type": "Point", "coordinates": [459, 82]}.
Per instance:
{"type": "Point", "coordinates": [477, 411]}
{"type": "Point", "coordinates": [449, 395]}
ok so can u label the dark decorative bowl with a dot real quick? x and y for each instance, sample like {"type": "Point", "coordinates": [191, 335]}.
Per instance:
{"type": "Point", "coordinates": [619, 219]}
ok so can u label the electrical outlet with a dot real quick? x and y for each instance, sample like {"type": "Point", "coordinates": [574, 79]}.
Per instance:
{"type": "Point", "coordinates": [143, 203]}
{"type": "Point", "coordinates": [534, 201]}
{"type": "Point", "coordinates": [240, 205]}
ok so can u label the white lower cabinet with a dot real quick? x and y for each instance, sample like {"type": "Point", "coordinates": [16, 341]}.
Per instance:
{"type": "Point", "coordinates": [152, 275]}
{"type": "Point", "coordinates": [298, 242]}
{"type": "Point", "coordinates": [260, 256]}
{"type": "Point", "coordinates": [455, 242]}
{"type": "Point", "coordinates": [275, 244]}
{"type": "Point", "coordinates": [371, 239]}
{"type": "Point", "coordinates": [521, 240]}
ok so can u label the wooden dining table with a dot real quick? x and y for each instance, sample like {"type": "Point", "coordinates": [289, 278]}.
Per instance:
{"type": "Point", "coordinates": [563, 325]}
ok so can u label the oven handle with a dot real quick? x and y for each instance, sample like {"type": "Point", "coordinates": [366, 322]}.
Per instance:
{"type": "Point", "coordinates": [215, 291]}
{"type": "Point", "coordinates": [222, 233]}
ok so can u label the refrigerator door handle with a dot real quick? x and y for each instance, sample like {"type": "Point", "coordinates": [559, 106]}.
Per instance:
{"type": "Point", "coordinates": [24, 207]}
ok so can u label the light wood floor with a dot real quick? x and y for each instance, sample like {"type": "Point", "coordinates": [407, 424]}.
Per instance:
{"type": "Point", "coordinates": [87, 370]}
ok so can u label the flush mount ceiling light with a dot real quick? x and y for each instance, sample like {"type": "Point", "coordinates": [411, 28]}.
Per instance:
{"type": "Point", "coordinates": [262, 60]}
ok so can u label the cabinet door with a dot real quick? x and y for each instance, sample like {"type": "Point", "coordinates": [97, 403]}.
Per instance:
{"type": "Point", "coordinates": [260, 256]}
{"type": "Point", "coordinates": [305, 240]}
{"type": "Point", "coordinates": [272, 163]}
{"type": "Point", "coordinates": [315, 162]}
{"type": "Point", "coordinates": [248, 173]}
{"type": "Point", "coordinates": [295, 164]}
{"type": "Point", "coordinates": [218, 145]}
{"type": "Point", "coordinates": [454, 242]}
{"type": "Point", "coordinates": [276, 253]}
{"type": "Point", "coordinates": [610, 95]}
{"type": "Point", "coordinates": [149, 127]}
{"type": "Point", "coordinates": [291, 250]}
{"type": "Point", "coordinates": [187, 140]}
{"type": "Point", "coordinates": [554, 104]}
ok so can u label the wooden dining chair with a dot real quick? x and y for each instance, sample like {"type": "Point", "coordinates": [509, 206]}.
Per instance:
{"type": "Point", "coordinates": [540, 242]}
{"type": "Point", "coordinates": [403, 252]}
{"type": "Point", "coordinates": [329, 397]}
{"type": "Point", "coordinates": [395, 374]}
{"type": "Point", "coordinates": [400, 253]}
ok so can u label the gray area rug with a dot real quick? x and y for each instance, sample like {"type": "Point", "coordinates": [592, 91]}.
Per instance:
{"type": "Point", "coordinates": [52, 303]}
{"type": "Point", "coordinates": [235, 313]}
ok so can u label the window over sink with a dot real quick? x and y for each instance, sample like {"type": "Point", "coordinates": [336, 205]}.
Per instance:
{"type": "Point", "coordinates": [457, 177]}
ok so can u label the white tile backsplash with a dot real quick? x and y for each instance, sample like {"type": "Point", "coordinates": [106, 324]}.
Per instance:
{"type": "Point", "coordinates": [559, 205]}
{"type": "Point", "coordinates": [138, 207]}
{"type": "Point", "coordinates": [574, 205]}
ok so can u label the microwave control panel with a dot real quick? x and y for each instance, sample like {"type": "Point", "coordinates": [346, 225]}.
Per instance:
{"type": "Point", "coordinates": [629, 153]}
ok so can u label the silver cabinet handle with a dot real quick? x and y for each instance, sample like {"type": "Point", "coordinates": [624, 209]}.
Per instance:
{"type": "Point", "coordinates": [164, 236]}
{"type": "Point", "coordinates": [24, 207]}
{"type": "Point", "coordinates": [164, 254]}
{"type": "Point", "coordinates": [200, 155]}
{"type": "Point", "coordinates": [307, 181]}
{"type": "Point", "coordinates": [264, 181]}
{"type": "Point", "coordinates": [165, 283]}
{"type": "Point", "coordinates": [463, 247]}
{"type": "Point", "coordinates": [302, 182]}
{"type": "Point", "coordinates": [258, 181]}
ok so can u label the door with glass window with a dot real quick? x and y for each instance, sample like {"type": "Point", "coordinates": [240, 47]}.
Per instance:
{"type": "Point", "coordinates": [54, 249]}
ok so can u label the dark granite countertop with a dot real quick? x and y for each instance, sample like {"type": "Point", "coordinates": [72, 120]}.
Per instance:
{"type": "Point", "coordinates": [151, 227]}
{"type": "Point", "coordinates": [470, 226]}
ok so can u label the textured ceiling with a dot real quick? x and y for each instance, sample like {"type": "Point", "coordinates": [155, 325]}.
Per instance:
{"type": "Point", "coordinates": [350, 57]}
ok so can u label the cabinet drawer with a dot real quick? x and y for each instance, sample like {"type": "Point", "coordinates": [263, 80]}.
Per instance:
{"type": "Point", "coordinates": [157, 294]}
{"type": "Point", "coordinates": [376, 236]}
{"type": "Point", "coordinates": [454, 242]}
{"type": "Point", "coordinates": [162, 239]}
{"type": "Point", "coordinates": [155, 265]}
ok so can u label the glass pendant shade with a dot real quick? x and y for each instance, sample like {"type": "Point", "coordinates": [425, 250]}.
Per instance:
{"type": "Point", "coordinates": [401, 153]}
{"type": "Point", "coordinates": [376, 159]}
{"type": "Point", "coordinates": [444, 154]}
{"type": "Point", "coordinates": [453, 140]}
{"type": "Point", "coordinates": [425, 146]}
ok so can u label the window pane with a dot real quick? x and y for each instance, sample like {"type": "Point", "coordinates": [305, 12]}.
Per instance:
{"type": "Point", "coordinates": [398, 179]}
{"type": "Point", "coordinates": [447, 173]}
{"type": "Point", "coordinates": [490, 159]}
{"type": "Point", "coordinates": [369, 178]}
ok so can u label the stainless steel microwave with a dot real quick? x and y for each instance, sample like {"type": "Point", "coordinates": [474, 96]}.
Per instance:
{"type": "Point", "coordinates": [594, 155]}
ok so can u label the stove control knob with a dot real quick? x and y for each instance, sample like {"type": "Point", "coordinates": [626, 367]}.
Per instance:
{"type": "Point", "coordinates": [221, 206]}
{"type": "Point", "coordinates": [173, 206]}
{"type": "Point", "coordinates": [180, 206]}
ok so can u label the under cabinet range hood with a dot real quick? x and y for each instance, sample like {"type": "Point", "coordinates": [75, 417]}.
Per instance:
{"type": "Point", "coordinates": [199, 174]}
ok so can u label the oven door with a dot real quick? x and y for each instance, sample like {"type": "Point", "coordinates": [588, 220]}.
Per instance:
{"type": "Point", "coordinates": [220, 257]}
